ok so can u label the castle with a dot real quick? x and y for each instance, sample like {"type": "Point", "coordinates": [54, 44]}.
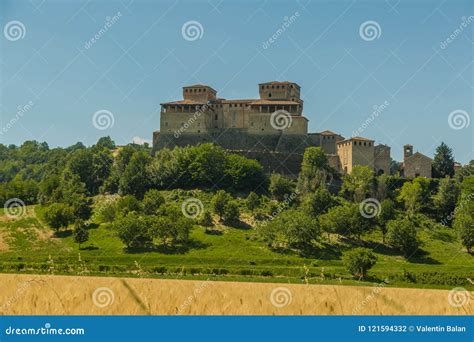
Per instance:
{"type": "Point", "coordinates": [271, 129]}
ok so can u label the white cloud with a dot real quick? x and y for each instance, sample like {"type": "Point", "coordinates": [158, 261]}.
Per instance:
{"type": "Point", "coordinates": [141, 141]}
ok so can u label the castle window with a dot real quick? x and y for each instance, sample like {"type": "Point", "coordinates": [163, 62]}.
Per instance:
{"type": "Point", "coordinates": [251, 124]}
{"type": "Point", "coordinates": [216, 117]}
{"type": "Point", "coordinates": [269, 94]}
{"type": "Point", "coordinates": [166, 124]}
{"type": "Point", "coordinates": [365, 144]}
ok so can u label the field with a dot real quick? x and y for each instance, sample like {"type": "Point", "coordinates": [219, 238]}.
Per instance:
{"type": "Point", "coordinates": [58, 295]}
{"type": "Point", "coordinates": [235, 254]}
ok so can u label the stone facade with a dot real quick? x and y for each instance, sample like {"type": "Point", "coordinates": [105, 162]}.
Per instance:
{"type": "Point", "coordinates": [415, 164]}
{"type": "Point", "coordinates": [271, 129]}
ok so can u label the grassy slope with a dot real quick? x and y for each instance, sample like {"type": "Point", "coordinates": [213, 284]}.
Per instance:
{"type": "Point", "coordinates": [236, 250]}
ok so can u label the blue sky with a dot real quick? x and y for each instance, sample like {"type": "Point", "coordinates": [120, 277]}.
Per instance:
{"type": "Point", "coordinates": [143, 59]}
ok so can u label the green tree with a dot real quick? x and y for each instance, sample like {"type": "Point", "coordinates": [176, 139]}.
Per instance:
{"type": "Point", "coordinates": [280, 187]}
{"type": "Point", "coordinates": [443, 162]}
{"type": "Point", "coordinates": [387, 213]}
{"type": "Point", "coordinates": [359, 184]}
{"type": "Point", "coordinates": [206, 219]}
{"type": "Point", "coordinates": [315, 170]}
{"type": "Point", "coordinates": [346, 220]}
{"type": "Point", "coordinates": [105, 142]}
{"type": "Point", "coordinates": [80, 234]}
{"type": "Point", "coordinates": [135, 180]}
{"type": "Point", "coordinates": [152, 201]}
{"type": "Point", "coordinates": [252, 201]}
{"type": "Point", "coordinates": [402, 235]}
{"type": "Point", "coordinates": [128, 204]}
{"type": "Point", "coordinates": [231, 214]}
{"type": "Point", "coordinates": [464, 217]}
{"type": "Point", "coordinates": [319, 202]}
{"type": "Point", "coordinates": [411, 194]}
{"type": "Point", "coordinates": [133, 231]}
{"type": "Point", "coordinates": [358, 261]}
{"type": "Point", "coordinates": [219, 202]}
{"type": "Point", "coordinates": [58, 215]}
{"type": "Point", "coordinates": [242, 173]}
{"type": "Point", "coordinates": [445, 199]}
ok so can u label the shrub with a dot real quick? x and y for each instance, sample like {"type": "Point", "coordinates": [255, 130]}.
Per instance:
{"type": "Point", "coordinates": [219, 202]}
{"type": "Point", "coordinates": [133, 231]}
{"type": "Point", "coordinates": [231, 214]}
{"type": "Point", "coordinates": [152, 201]}
{"type": "Point", "coordinates": [58, 215]}
{"type": "Point", "coordinates": [252, 201]}
{"type": "Point", "coordinates": [80, 234]}
{"type": "Point", "coordinates": [358, 261]}
{"type": "Point", "coordinates": [280, 186]}
{"type": "Point", "coordinates": [206, 219]}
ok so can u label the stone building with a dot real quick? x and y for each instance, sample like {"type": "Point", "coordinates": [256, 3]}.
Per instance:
{"type": "Point", "coordinates": [363, 151]}
{"type": "Point", "coordinates": [271, 129]}
{"type": "Point", "coordinates": [415, 165]}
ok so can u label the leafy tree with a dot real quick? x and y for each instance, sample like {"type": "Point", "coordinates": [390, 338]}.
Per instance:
{"type": "Point", "coordinates": [463, 217]}
{"type": "Point", "coordinates": [252, 201]}
{"type": "Point", "coordinates": [219, 202]}
{"type": "Point", "coordinates": [280, 186]}
{"type": "Point", "coordinates": [105, 142]}
{"type": "Point", "coordinates": [402, 235]}
{"type": "Point", "coordinates": [231, 214]}
{"type": "Point", "coordinates": [292, 228]}
{"type": "Point", "coordinates": [359, 184]}
{"type": "Point", "coordinates": [58, 215]}
{"type": "Point", "coordinates": [345, 220]}
{"type": "Point", "coordinates": [80, 234]}
{"type": "Point", "coordinates": [152, 201]}
{"type": "Point", "coordinates": [208, 163]}
{"type": "Point", "coordinates": [128, 204]}
{"type": "Point", "coordinates": [315, 170]}
{"type": "Point", "coordinates": [443, 162]}
{"type": "Point", "coordinates": [411, 194]}
{"type": "Point", "coordinates": [133, 231]}
{"type": "Point", "coordinates": [387, 213]}
{"type": "Point", "coordinates": [319, 202]}
{"type": "Point", "coordinates": [206, 219]}
{"type": "Point", "coordinates": [135, 180]}
{"type": "Point", "coordinates": [446, 198]}
{"type": "Point", "coordinates": [358, 261]}
{"type": "Point", "coordinates": [243, 173]}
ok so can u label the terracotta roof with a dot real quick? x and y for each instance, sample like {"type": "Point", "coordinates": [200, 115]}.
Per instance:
{"type": "Point", "coordinates": [418, 154]}
{"type": "Point", "coordinates": [184, 102]}
{"type": "Point", "coordinates": [280, 82]}
{"type": "Point", "coordinates": [355, 138]}
{"type": "Point", "coordinates": [328, 132]}
{"type": "Point", "coordinates": [198, 85]}
{"type": "Point", "coordinates": [274, 102]}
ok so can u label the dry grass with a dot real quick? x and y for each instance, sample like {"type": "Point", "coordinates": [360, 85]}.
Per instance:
{"type": "Point", "coordinates": [57, 295]}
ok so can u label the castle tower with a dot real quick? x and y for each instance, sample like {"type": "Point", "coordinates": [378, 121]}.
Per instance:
{"type": "Point", "coordinates": [199, 93]}
{"type": "Point", "coordinates": [407, 151]}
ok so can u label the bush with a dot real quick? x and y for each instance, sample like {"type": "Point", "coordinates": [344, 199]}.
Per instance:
{"type": "Point", "coordinates": [219, 202]}
{"type": "Point", "coordinates": [133, 231]}
{"type": "Point", "coordinates": [152, 201]}
{"type": "Point", "coordinates": [402, 235]}
{"type": "Point", "coordinates": [80, 234]}
{"type": "Point", "coordinates": [252, 201]}
{"type": "Point", "coordinates": [128, 204]}
{"type": "Point", "coordinates": [280, 186]}
{"type": "Point", "coordinates": [206, 219]}
{"type": "Point", "coordinates": [58, 215]}
{"type": "Point", "coordinates": [358, 261]}
{"type": "Point", "coordinates": [231, 213]}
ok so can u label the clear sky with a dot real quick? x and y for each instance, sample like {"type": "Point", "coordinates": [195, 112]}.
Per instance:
{"type": "Point", "coordinates": [58, 77]}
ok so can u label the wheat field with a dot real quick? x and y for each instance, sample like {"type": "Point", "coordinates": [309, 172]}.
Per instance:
{"type": "Point", "coordinates": [75, 295]}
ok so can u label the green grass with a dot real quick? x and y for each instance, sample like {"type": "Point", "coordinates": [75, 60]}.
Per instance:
{"type": "Point", "coordinates": [236, 254]}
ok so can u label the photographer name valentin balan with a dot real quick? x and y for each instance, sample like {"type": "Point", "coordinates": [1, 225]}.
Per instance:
{"type": "Point", "coordinates": [440, 328]}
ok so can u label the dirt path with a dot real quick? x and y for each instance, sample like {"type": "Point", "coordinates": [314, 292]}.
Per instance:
{"type": "Point", "coordinates": [56, 295]}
